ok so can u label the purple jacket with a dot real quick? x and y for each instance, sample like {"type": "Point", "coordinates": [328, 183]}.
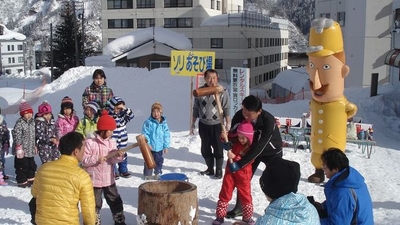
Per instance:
{"type": "Point", "coordinates": [102, 174]}
{"type": "Point", "coordinates": [66, 125]}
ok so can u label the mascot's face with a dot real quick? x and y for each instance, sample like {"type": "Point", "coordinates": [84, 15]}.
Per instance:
{"type": "Point", "coordinates": [326, 78]}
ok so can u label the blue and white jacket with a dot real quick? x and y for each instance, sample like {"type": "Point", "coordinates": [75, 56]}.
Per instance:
{"type": "Point", "coordinates": [290, 209]}
{"type": "Point", "coordinates": [120, 134]}
{"type": "Point", "coordinates": [340, 203]}
{"type": "Point", "coordinates": [157, 133]}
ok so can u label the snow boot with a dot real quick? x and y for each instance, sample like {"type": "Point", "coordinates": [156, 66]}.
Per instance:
{"type": "Point", "coordinates": [119, 218]}
{"type": "Point", "coordinates": [218, 221]}
{"type": "Point", "coordinates": [236, 211]}
{"type": "Point", "coordinates": [317, 177]}
{"type": "Point", "coordinates": [210, 167]}
{"type": "Point", "coordinates": [98, 219]}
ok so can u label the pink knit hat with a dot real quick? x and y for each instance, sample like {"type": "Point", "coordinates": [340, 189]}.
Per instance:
{"type": "Point", "coordinates": [246, 129]}
{"type": "Point", "coordinates": [44, 108]}
{"type": "Point", "coordinates": [25, 108]}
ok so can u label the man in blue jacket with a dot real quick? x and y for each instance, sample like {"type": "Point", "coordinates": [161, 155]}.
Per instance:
{"type": "Point", "coordinates": [347, 197]}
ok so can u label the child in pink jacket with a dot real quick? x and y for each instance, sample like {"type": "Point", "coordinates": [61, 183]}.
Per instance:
{"type": "Point", "coordinates": [67, 120]}
{"type": "Point", "coordinates": [101, 169]}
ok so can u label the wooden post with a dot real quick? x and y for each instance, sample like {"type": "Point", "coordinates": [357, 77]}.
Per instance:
{"type": "Point", "coordinates": [191, 106]}
{"type": "Point", "coordinates": [168, 202]}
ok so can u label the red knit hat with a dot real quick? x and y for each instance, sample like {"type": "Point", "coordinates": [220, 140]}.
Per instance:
{"type": "Point", "coordinates": [246, 129]}
{"type": "Point", "coordinates": [66, 102]}
{"type": "Point", "coordinates": [25, 108]}
{"type": "Point", "coordinates": [106, 122]}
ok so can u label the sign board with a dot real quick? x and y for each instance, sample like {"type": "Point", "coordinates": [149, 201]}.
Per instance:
{"type": "Point", "coordinates": [240, 87]}
{"type": "Point", "coordinates": [190, 63]}
{"type": "Point", "coordinates": [200, 80]}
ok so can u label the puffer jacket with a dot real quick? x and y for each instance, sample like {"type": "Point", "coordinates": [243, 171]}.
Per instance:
{"type": "Point", "coordinates": [44, 131]}
{"type": "Point", "coordinates": [120, 134]}
{"type": "Point", "coordinates": [66, 124]}
{"type": "Point", "coordinates": [58, 187]}
{"type": "Point", "coordinates": [87, 126]}
{"type": "Point", "coordinates": [4, 136]}
{"type": "Point", "coordinates": [290, 209]}
{"type": "Point", "coordinates": [102, 174]}
{"type": "Point", "coordinates": [157, 133]}
{"type": "Point", "coordinates": [24, 134]}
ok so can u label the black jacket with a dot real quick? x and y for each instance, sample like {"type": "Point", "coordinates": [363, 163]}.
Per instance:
{"type": "Point", "coordinates": [267, 139]}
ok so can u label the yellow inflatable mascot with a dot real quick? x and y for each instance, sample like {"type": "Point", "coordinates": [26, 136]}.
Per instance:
{"type": "Point", "coordinates": [329, 107]}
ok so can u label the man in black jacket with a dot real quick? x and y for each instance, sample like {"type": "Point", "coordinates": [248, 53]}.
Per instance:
{"type": "Point", "coordinates": [267, 142]}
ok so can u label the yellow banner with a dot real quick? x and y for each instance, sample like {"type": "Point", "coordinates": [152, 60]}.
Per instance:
{"type": "Point", "coordinates": [190, 63]}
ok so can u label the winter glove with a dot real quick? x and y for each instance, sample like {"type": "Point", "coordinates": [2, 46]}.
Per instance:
{"type": "Point", "coordinates": [20, 153]}
{"type": "Point", "coordinates": [234, 167]}
{"type": "Point", "coordinates": [227, 145]}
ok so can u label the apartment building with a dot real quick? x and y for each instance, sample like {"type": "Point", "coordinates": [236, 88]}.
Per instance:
{"type": "Point", "coordinates": [365, 33]}
{"type": "Point", "coordinates": [393, 57]}
{"type": "Point", "coordinates": [239, 38]}
{"type": "Point", "coordinates": [11, 51]}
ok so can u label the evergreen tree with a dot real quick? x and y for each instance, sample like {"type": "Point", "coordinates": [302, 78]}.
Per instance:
{"type": "Point", "coordinates": [64, 48]}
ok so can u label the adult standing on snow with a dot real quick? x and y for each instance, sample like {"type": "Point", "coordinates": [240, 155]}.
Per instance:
{"type": "Point", "coordinates": [267, 142]}
{"type": "Point", "coordinates": [98, 91]}
{"type": "Point", "coordinates": [205, 108]}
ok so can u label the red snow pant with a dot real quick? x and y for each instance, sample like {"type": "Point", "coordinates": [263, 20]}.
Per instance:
{"type": "Point", "coordinates": [241, 180]}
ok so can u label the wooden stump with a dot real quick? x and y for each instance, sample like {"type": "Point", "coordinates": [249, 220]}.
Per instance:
{"type": "Point", "coordinates": [168, 203]}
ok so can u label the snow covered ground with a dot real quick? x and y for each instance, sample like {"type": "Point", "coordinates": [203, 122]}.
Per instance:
{"type": "Point", "coordinates": [140, 88]}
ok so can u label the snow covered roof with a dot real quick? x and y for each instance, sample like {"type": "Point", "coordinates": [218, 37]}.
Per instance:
{"type": "Point", "coordinates": [10, 35]}
{"type": "Point", "coordinates": [147, 41]}
{"type": "Point", "coordinates": [293, 79]}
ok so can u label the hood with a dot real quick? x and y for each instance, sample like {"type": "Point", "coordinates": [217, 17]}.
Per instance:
{"type": "Point", "coordinates": [163, 119]}
{"type": "Point", "coordinates": [291, 208]}
{"type": "Point", "coordinates": [348, 178]}
{"type": "Point", "coordinates": [114, 102]}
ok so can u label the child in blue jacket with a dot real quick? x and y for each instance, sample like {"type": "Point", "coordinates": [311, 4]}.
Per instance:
{"type": "Point", "coordinates": [157, 133]}
{"type": "Point", "coordinates": [122, 115]}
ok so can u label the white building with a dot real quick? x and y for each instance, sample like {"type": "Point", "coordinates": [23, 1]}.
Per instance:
{"type": "Point", "coordinates": [365, 33]}
{"type": "Point", "coordinates": [11, 51]}
{"type": "Point", "coordinates": [393, 57]}
{"type": "Point", "coordinates": [237, 37]}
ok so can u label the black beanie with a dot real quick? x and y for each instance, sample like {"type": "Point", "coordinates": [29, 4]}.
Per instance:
{"type": "Point", "coordinates": [280, 177]}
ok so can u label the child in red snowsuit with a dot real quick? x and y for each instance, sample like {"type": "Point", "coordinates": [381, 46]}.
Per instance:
{"type": "Point", "coordinates": [241, 179]}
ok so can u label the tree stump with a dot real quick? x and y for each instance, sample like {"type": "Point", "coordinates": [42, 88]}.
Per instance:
{"type": "Point", "coordinates": [168, 203]}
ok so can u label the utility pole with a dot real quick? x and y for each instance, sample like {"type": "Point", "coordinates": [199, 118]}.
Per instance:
{"type": "Point", "coordinates": [51, 52]}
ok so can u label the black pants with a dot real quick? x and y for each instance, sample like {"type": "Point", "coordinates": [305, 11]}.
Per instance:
{"type": "Point", "coordinates": [112, 197]}
{"type": "Point", "coordinates": [264, 159]}
{"type": "Point", "coordinates": [32, 209]}
{"type": "Point", "coordinates": [25, 168]}
{"type": "Point", "coordinates": [210, 137]}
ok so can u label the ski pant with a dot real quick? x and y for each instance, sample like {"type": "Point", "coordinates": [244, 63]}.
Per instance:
{"type": "Point", "coordinates": [25, 169]}
{"type": "Point", "coordinates": [122, 166]}
{"type": "Point", "coordinates": [159, 160]}
{"type": "Point", "coordinates": [112, 197]}
{"type": "Point", "coordinates": [264, 159]}
{"type": "Point", "coordinates": [241, 179]}
{"type": "Point", "coordinates": [210, 140]}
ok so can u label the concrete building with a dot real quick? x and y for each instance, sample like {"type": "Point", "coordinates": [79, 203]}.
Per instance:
{"type": "Point", "coordinates": [393, 57]}
{"type": "Point", "coordinates": [366, 36]}
{"type": "Point", "coordinates": [239, 38]}
{"type": "Point", "coordinates": [12, 45]}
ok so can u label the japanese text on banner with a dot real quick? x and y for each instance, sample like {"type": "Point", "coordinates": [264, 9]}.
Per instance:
{"type": "Point", "coordinates": [190, 63]}
{"type": "Point", "coordinates": [239, 87]}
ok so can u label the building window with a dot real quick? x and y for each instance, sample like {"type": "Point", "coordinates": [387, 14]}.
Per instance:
{"type": "Point", "coordinates": [158, 64]}
{"type": "Point", "coordinates": [19, 47]}
{"type": "Point", "coordinates": [397, 19]}
{"type": "Point", "coordinates": [178, 23]}
{"type": "Point", "coordinates": [239, 8]}
{"type": "Point", "coordinates": [145, 4]}
{"type": "Point", "coordinates": [143, 23]}
{"type": "Point", "coordinates": [20, 59]}
{"type": "Point", "coordinates": [326, 15]}
{"type": "Point", "coordinates": [120, 23]}
{"type": "Point", "coordinates": [260, 59]}
{"type": "Point", "coordinates": [9, 60]}
{"type": "Point", "coordinates": [120, 4]}
{"type": "Point", "coordinates": [218, 5]}
{"type": "Point", "coordinates": [249, 42]}
{"type": "Point", "coordinates": [212, 4]}
{"type": "Point", "coordinates": [217, 43]}
{"type": "Point", "coordinates": [249, 62]}
{"type": "Point", "coordinates": [341, 17]}
{"type": "Point", "coordinates": [256, 61]}
{"type": "Point", "coordinates": [256, 42]}
{"type": "Point", "coordinates": [261, 42]}
{"type": "Point", "coordinates": [9, 48]}
{"type": "Point", "coordinates": [178, 3]}
{"type": "Point", "coordinates": [219, 63]}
